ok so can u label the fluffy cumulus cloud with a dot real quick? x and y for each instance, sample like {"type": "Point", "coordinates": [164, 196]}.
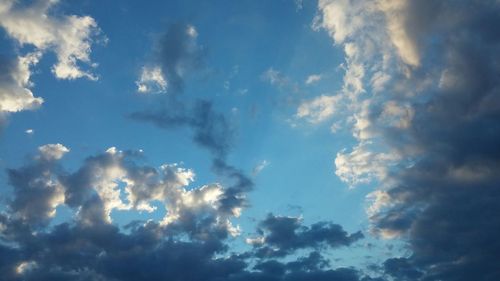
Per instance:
{"type": "Point", "coordinates": [318, 109]}
{"type": "Point", "coordinates": [32, 24]}
{"type": "Point", "coordinates": [151, 81]}
{"type": "Point", "coordinates": [422, 81]}
{"type": "Point", "coordinates": [69, 37]}
{"type": "Point", "coordinates": [189, 243]}
{"type": "Point", "coordinates": [15, 93]}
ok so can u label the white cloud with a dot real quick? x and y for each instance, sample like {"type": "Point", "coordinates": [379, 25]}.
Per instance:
{"type": "Point", "coordinates": [318, 109]}
{"type": "Point", "coordinates": [362, 165]}
{"type": "Point", "coordinates": [15, 94]}
{"type": "Point", "coordinates": [68, 36]}
{"type": "Point", "coordinates": [341, 18]}
{"type": "Point", "coordinates": [397, 115]}
{"type": "Point", "coordinates": [30, 131]}
{"type": "Point", "coordinates": [191, 31]}
{"type": "Point", "coordinates": [26, 266]}
{"type": "Point", "coordinates": [335, 127]}
{"type": "Point", "coordinates": [313, 78]}
{"type": "Point", "coordinates": [52, 151]}
{"type": "Point", "coordinates": [151, 80]}
{"type": "Point", "coordinates": [275, 77]}
{"type": "Point", "coordinates": [255, 241]}
{"type": "Point", "coordinates": [261, 166]}
{"type": "Point", "coordinates": [395, 16]}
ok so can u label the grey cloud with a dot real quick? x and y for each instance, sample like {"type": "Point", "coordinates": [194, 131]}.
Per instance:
{"type": "Point", "coordinates": [178, 53]}
{"type": "Point", "coordinates": [441, 190]}
{"type": "Point", "coordinates": [211, 129]}
{"type": "Point", "coordinates": [89, 247]}
{"type": "Point", "coordinates": [36, 192]}
{"type": "Point", "coordinates": [178, 50]}
{"type": "Point", "coordinates": [284, 235]}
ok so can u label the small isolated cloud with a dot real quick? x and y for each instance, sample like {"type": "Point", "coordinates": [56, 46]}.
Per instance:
{"type": "Point", "coordinates": [335, 127]}
{"type": "Point", "coordinates": [261, 166]}
{"type": "Point", "coordinates": [313, 78]}
{"type": "Point", "coordinates": [275, 77]}
{"type": "Point", "coordinates": [318, 109]}
{"type": "Point", "coordinates": [151, 80]}
{"type": "Point", "coordinates": [30, 131]}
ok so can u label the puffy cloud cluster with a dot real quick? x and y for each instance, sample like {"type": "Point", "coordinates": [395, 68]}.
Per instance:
{"type": "Point", "coordinates": [318, 109]}
{"type": "Point", "coordinates": [15, 94]}
{"type": "Point", "coordinates": [151, 80]}
{"type": "Point", "coordinates": [422, 77]}
{"type": "Point", "coordinates": [32, 24]}
{"type": "Point", "coordinates": [69, 37]}
{"type": "Point", "coordinates": [190, 243]}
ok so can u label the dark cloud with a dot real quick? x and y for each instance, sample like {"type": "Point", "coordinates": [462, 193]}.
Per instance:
{"type": "Point", "coordinates": [445, 200]}
{"type": "Point", "coordinates": [178, 53]}
{"type": "Point", "coordinates": [36, 191]}
{"type": "Point", "coordinates": [401, 269]}
{"type": "Point", "coordinates": [193, 246]}
{"type": "Point", "coordinates": [211, 130]}
{"type": "Point", "coordinates": [282, 236]}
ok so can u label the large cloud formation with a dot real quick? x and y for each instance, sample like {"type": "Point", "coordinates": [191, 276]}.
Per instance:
{"type": "Point", "coordinates": [422, 81]}
{"type": "Point", "coordinates": [189, 243]}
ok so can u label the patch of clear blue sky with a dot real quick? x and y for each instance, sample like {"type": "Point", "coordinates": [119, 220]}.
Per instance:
{"type": "Point", "coordinates": [247, 36]}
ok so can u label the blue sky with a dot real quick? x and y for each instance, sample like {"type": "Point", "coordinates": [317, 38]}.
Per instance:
{"type": "Point", "coordinates": [327, 133]}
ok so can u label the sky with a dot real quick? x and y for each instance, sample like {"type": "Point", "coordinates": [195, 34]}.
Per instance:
{"type": "Point", "coordinates": [280, 140]}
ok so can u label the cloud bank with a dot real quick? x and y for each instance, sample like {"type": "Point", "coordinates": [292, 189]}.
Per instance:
{"type": "Point", "coordinates": [189, 243]}
{"type": "Point", "coordinates": [422, 81]}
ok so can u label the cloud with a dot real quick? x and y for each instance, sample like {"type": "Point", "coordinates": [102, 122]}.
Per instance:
{"type": "Point", "coordinates": [275, 77]}
{"type": "Point", "coordinates": [36, 193]}
{"type": "Point", "coordinates": [35, 25]}
{"type": "Point", "coordinates": [69, 37]}
{"type": "Point", "coordinates": [362, 165]}
{"type": "Point", "coordinates": [176, 55]}
{"type": "Point", "coordinates": [261, 166]}
{"type": "Point", "coordinates": [15, 93]}
{"type": "Point", "coordinates": [313, 78]}
{"type": "Point", "coordinates": [319, 108]}
{"type": "Point", "coordinates": [431, 107]}
{"type": "Point", "coordinates": [282, 236]}
{"type": "Point", "coordinates": [52, 151]}
{"type": "Point", "coordinates": [151, 81]}
{"type": "Point", "coordinates": [193, 245]}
